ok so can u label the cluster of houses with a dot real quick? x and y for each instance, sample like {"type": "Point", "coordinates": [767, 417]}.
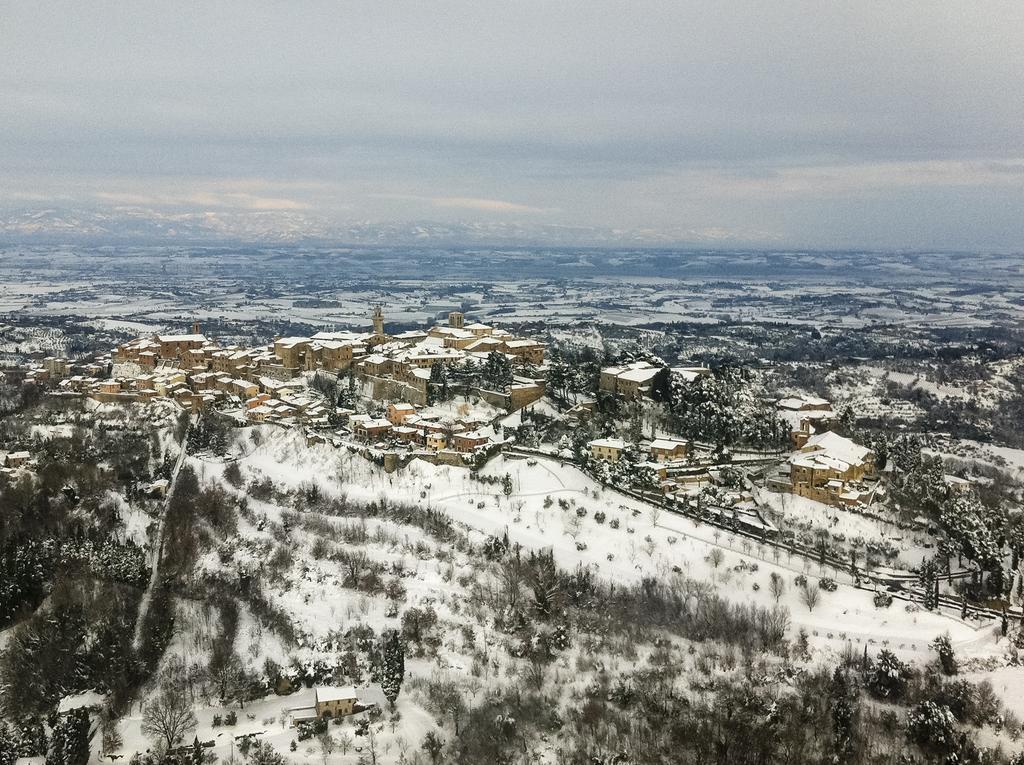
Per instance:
{"type": "Point", "coordinates": [400, 367]}
{"type": "Point", "coordinates": [660, 450]}
{"type": "Point", "coordinates": [404, 423]}
{"type": "Point", "coordinates": [196, 372]}
{"type": "Point", "coordinates": [678, 477]}
{"type": "Point", "coordinates": [824, 466]}
{"type": "Point", "coordinates": [266, 399]}
{"type": "Point", "coordinates": [634, 381]}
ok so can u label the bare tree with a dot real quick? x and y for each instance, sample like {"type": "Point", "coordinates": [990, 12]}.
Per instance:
{"type": "Point", "coordinates": [355, 562]}
{"type": "Point", "coordinates": [371, 745]}
{"type": "Point", "coordinates": [169, 717]}
{"type": "Point", "coordinates": [573, 526]}
{"type": "Point", "coordinates": [227, 673]}
{"type": "Point", "coordinates": [776, 585]}
{"type": "Point", "coordinates": [716, 557]}
{"type": "Point", "coordinates": [327, 744]}
{"type": "Point", "coordinates": [344, 741]}
{"type": "Point", "coordinates": [511, 573]}
{"type": "Point", "coordinates": [810, 595]}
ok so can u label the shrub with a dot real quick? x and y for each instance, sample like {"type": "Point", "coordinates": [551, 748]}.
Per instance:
{"type": "Point", "coordinates": [888, 677]}
{"type": "Point", "coordinates": [932, 727]}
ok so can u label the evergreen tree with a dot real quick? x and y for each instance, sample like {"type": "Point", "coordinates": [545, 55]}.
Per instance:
{"type": "Point", "coordinates": [437, 386]}
{"type": "Point", "coordinates": [497, 372]}
{"type": "Point", "coordinates": [888, 678]}
{"type": "Point", "coordinates": [930, 584]}
{"type": "Point", "coordinates": [69, 744]}
{"type": "Point", "coordinates": [933, 728]}
{"type": "Point", "coordinates": [394, 666]}
{"type": "Point", "coordinates": [558, 377]}
{"type": "Point", "coordinates": [8, 753]}
{"type": "Point", "coordinates": [947, 658]}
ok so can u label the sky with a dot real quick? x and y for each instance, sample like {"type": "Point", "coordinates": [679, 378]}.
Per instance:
{"type": "Point", "coordinates": [782, 123]}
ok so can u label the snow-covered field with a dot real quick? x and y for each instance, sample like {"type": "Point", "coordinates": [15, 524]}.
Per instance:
{"type": "Point", "coordinates": [638, 548]}
{"type": "Point", "coordinates": [550, 506]}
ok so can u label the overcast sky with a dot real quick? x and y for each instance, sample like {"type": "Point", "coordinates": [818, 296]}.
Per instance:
{"type": "Point", "coordinates": [792, 123]}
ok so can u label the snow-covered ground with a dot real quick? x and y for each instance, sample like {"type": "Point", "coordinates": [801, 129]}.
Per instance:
{"type": "Point", "coordinates": [622, 554]}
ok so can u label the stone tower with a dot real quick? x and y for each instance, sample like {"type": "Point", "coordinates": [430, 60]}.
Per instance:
{"type": "Point", "coordinates": [378, 321]}
{"type": "Point", "coordinates": [456, 319]}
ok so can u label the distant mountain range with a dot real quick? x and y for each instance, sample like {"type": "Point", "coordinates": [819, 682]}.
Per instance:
{"type": "Point", "coordinates": [147, 226]}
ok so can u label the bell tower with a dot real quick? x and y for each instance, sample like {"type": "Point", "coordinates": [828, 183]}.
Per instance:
{"type": "Point", "coordinates": [378, 321]}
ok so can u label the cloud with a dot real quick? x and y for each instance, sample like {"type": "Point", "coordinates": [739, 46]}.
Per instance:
{"type": "Point", "coordinates": [467, 203]}
{"type": "Point", "coordinates": [201, 199]}
{"type": "Point", "coordinates": [782, 117]}
{"type": "Point", "coordinates": [848, 181]}
{"type": "Point", "coordinates": [485, 205]}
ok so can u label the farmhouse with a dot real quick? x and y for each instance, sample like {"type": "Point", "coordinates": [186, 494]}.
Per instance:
{"type": "Point", "coordinates": [631, 381]}
{"type": "Point", "coordinates": [667, 450]}
{"type": "Point", "coordinates": [828, 467]}
{"type": "Point", "coordinates": [335, 701]}
{"type": "Point", "coordinates": [607, 448]}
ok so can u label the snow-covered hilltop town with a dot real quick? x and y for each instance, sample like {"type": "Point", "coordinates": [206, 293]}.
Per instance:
{"type": "Point", "coordinates": [447, 530]}
{"type": "Point", "coordinates": [511, 383]}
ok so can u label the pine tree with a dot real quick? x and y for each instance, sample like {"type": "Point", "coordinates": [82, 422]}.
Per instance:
{"type": "Point", "coordinates": [69, 744]}
{"type": "Point", "coordinates": [8, 753]}
{"type": "Point", "coordinates": [394, 666]}
{"type": "Point", "coordinates": [930, 584]}
{"type": "Point", "coordinates": [947, 658]}
{"type": "Point", "coordinates": [497, 373]}
{"type": "Point", "coordinates": [437, 386]}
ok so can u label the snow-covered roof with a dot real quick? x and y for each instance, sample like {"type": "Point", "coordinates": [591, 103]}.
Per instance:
{"type": "Point", "coordinates": [326, 693]}
{"type": "Point", "coordinates": [182, 338]}
{"type": "Point", "coordinates": [689, 374]}
{"type": "Point", "coordinates": [802, 402]}
{"type": "Point", "coordinates": [79, 700]}
{"type": "Point", "coordinates": [838, 447]}
{"type": "Point", "coordinates": [608, 443]}
{"type": "Point", "coordinates": [666, 444]}
{"type": "Point", "coordinates": [955, 480]}
{"type": "Point", "coordinates": [639, 375]}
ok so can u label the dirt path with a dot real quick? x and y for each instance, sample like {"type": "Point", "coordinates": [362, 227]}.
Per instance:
{"type": "Point", "coordinates": [158, 545]}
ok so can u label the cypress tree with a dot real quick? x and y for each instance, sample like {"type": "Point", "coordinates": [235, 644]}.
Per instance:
{"type": "Point", "coordinates": [394, 666]}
